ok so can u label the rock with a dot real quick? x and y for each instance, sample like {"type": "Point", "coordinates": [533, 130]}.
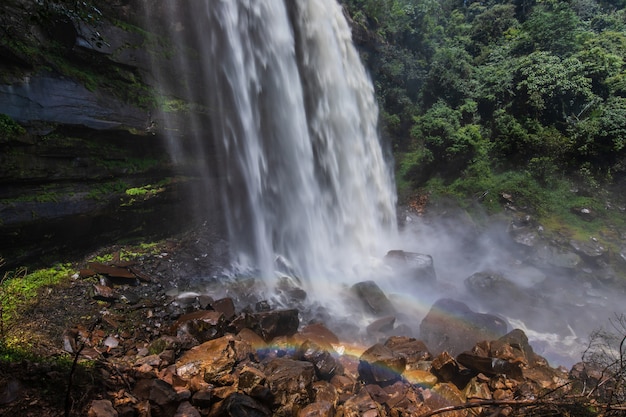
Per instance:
{"type": "Point", "coordinates": [413, 350]}
{"type": "Point", "coordinates": [420, 377]}
{"type": "Point", "coordinates": [250, 378]}
{"type": "Point", "coordinates": [546, 256]}
{"type": "Point", "coordinates": [372, 298]}
{"type": "Point", "coordinates": [379, 365]}
{"type": "Point", "coordinates": [239, 405]}
{"type": "Point", "coordinates": [490, 366]}
{"type": "Point", "coordinates": [324, 362]}
{"type": "Point", "coordinates": [452, 326]}
{"type": "Point", "coordinates": [50, 97]}
{"type": "Point", "coordinates": [202, 398]}
{"type": "Point", "coordinates": [445, 395]}
{"type": "Point", "coordinates": [214, 359]}
{"type": "Point", "coordinates": [446, 369]}
{"type": "Point", "coordinates": [325, 391]}
{"type": "Point", "coordinates": [101, 408]}
{"type": "Point", "coordinates": [319, 334]}
{"type": "Point", "coordinates": [380, 327]}
{"type": "Point", "coordinates": [185, 409]}
{"type": "Point", "coordinates": [318, 409]}
{"type": "Point", "coordinates": [104, 293]}
{"type": "Point", "coordinates": [416, 265]}
{"type": "Point", "coordinates": [10, 391]}
{"type": "Point", "coordinates": [201, 325]}
{"type": "Point", "coordinates": [514, 347]}
{"type": "Point", "coordinates": [290, 382]}
{"type": "Point", "coordinates": [276, 323]}
{"type": "Point", "coordinates": [226, 306]}
{"type": "Point", "coordinates": [361, 405]}
{"type": "Point", "coordinates": [495, 291]}
{"type": "Point", "coordinates": [159, 393]}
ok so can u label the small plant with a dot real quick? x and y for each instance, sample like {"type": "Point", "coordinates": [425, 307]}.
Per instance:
{"type": "Point", "coordinates": [9, 129]}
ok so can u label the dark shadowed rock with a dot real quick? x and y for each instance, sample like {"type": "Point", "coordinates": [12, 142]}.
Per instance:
{"type": "Point", "coordinates": [239, 405]}
{"type": "Point", "coordinates": [276, 323]}
{"type": "Point", "coordinates": [225, 306]}
{"type": "Point", "coordinates": [418, 266]}
{"type": "Point", "coordinates": [379, 365]}
{"type": "Point", "coordinates": [185, 409]}
{"type": "Point", "coordinates": [452, 326]}
{"type": "Point", "coordinates": [159, 393]}
{"type": "Point", "coordinates": [446, 369]}
{"type": "Point", "coordinates": [372, 298]}
{"type": "Point", "coordinates": [445, 395]}
{"type": "Point", "coordinates": [496, 291]}
{"type": "Point", "coordinates": [381, 327]}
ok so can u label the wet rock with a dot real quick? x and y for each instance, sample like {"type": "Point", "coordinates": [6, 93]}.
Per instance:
{"type": "Point", "coordinates": [290, 382]}
{"type": "Point", "coordinates": [102, 408]}
{"type": "Point", "coordinates": [420, 378]}
{"type": "Point", "coordinates": [239, 405]}
{"type": "Point", "coordinates": [324, 362]}
{"type": "Point", "coordinates": [226, 306]}
{"type": "Point", "coordinates": [250, 378]}
{"type": "Point", "coordinates": [361, 405]}
{"type": "Point", "coordinates": [123, 274]}
{"type": "Point", "coordinates": [413, 350]}
{"type": "Point", "coordinates": [496, 291]}
{"type": "Point", "coordinates": [379, 365]}
{"type": "Point", "coordinates": [514, 347]}
{"type": "Point", "coordinates": [546, 256]}
{"type": "Point", "coordinates": [325, 391]}
{"type": "Point", "coordinates": [491, 366]}
{"type": "Point", "coordinates": [372, 298]}
{"type": "Point", "coordinates": [444, 395]}
{"type": "Point", "coordinates": [276, 323]}
{"type": "Point", "coordinates": [416, 265]}
{"type": "Point", "coordinates": [447, 369]}
{"type": "Point", "coordinates": [379, 328]}
{"type": "Point", "coordinates": [213, 359]}
{"type": "Point", "coordinates": [452, 326]}
{"type": "Point", "coordinates": [202, 398]}
{"type": "Point", "coordinates": [319, 334]}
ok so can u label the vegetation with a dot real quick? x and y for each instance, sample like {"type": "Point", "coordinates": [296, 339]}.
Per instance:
{"type": "Point", "coordinates": [510, 96]}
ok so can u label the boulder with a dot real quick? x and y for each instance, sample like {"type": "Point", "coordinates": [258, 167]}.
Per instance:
{"type": "Point", "coordinates": [276, 323]}
{"type": "Point", "coordinates": [372, 298]}
{"type": "Point", "coordinates": [214, 359]}
{"type": "Point", "coordinates": [291, 383]}
{"type": "Point", "coordinates": [239, 405]}
{"type": "Point", "coordinates": [413, 350]}
{"type": "Point", "coordinates": [380, 365]}
{"type": "Point", "coordinates": [102, 408]}
{"type": "Point", "coordinates": [452, 326]}
{"type": "Point", "coordinates": [417, 266]}
{"type": "Point", "coordinates": [495, 291]}
{"type": "Point", "coordinates": [159, 394]}
{"type": "Point", "coordinates": [324, 362]}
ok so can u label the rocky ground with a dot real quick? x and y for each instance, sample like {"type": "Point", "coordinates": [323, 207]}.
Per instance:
{"type": "Point", "coordinates": [120, 338]}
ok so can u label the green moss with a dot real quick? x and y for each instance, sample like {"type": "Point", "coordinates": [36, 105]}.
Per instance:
{"type": "Point", "coordinates": [100, 191]}
{"type": "Point", "coordinates": [10, 129]}
{"type": "Point", "coordinates": [19, 289]}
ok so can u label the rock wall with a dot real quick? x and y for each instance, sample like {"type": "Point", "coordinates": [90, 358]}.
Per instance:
{"type": "Point", "coordinates": [83, 157]}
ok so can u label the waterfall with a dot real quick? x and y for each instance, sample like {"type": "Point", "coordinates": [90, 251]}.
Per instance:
{"type": "Point", "coordinates": [292, 108]}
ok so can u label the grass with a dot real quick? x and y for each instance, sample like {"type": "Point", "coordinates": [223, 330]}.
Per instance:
{"type": "Point", "coordinates": [20, 288]}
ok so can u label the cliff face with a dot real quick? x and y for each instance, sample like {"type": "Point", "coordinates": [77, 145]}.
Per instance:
{"type": "Point", "coordinates": [82, 157]}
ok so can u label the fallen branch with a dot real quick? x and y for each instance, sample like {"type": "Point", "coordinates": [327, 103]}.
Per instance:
{"type": "Point", "coordinates": [504, 403]}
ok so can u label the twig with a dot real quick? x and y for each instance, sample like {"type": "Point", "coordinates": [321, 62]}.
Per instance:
{"type": "Point", "coordinates": [482, 403]}
{"type": "Point", "coordinates": [70, 379]}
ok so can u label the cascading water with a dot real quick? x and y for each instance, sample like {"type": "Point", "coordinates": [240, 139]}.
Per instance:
{"type": "Point", "coordinates": [293, 110]}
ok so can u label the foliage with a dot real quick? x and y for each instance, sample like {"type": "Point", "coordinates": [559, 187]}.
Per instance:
{"type": "Point", "coordinates": [500, 96]}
